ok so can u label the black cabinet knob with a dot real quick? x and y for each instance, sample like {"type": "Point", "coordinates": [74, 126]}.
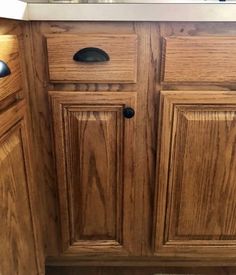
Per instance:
{"type": "Point", "coordinates": [4, 69]}
{"type": "Point", "coordinates": [128, 112]}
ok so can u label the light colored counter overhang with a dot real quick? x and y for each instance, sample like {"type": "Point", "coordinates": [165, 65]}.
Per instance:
{"type": "Point", "coordinates": [133, 12]}
{"type": "Point", "coordinates": [14, 9]}
{"type": "Point", "coordinates": [205, 12]}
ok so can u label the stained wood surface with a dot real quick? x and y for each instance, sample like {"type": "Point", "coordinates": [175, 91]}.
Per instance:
{"type": "Point", "coordinates": [196, 197]}
{"type": "Point", "coordinates": [199, 59]}
{"type": "Point", "coordinates": [122, 50]}
{"type": "Point", "coordinates": [40, 113]}
{"type": "Point", "coordinates": [95, 135]}
{"type": "Point", "coordinates": [17, 253]}
{"type": "Point", "coordinates": [95, 162]}
{"type": "Point", "coordinates": [17, 32]}
{"type": "Point", "coordinates": [146, 96]}
{"type": "Point", "coordinates": [9, 53]}
{"type": "Point", "coordinates": [147, 88]}
{"type": "Point", "coordinates": [139, 271]}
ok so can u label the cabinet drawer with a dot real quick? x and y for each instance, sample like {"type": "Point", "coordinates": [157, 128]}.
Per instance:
{"type": "Point", "coordinates": [9, 54]}
{"type": "Point", "coordinates": [121, 67]}
{"type": "Point", "coordinates": [199, 59]}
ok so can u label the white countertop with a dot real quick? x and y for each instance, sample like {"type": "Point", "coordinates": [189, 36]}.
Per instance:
{"type": "Point", "coordinates": [13, 9]}
{"type": "Point", "coordinates": [224, 12]}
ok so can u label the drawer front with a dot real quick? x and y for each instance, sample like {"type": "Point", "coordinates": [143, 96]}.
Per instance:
{"type": "Point", "coordinates": [121, 67]}
{"type": "Point", "coordinates": [199, 59]}
{"type": "Point", "coordinates": [9, 54]}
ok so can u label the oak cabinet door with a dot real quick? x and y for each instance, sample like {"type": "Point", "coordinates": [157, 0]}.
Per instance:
{"type": "Point", "coordinates": [196, 186]}
{"type": "Point", "coordinates": [95, 165]}
{"type": "Point", "coordinates": [17, 243]}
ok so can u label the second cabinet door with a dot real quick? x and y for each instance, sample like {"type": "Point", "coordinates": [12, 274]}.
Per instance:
{"type": "Point", "coordinates": [196, 201]}
{"type": "Point", "coordinates": [94, 146]}
{"type": "Point", "coordinates": [18, 250]}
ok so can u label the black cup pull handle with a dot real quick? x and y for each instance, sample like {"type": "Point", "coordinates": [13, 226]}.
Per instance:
{"type": "Point", "coordinates": [128, 112]}
{"type": "Point", "coordinates": [88, 55]}
{"type": "Point", "coordinates": [4, 69]}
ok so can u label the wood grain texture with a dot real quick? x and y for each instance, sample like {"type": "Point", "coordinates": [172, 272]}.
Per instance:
{"type": "Point", "coordinates": [41, 137]}
{"type": "Point", "coordinates": [95, 137]}
{"type": "Point", "coordinates": [147, 88]}
{"type": "Point", "coordinates": [9, 53]}
{"type": "Point", "coordinates": [141, 261]}
{"type": "Point", "coordinates": [148, 123]}
{"type": "Point", "coordinates": [196, 191]}
{"type": "Point", "coordinates": [95, 163]}
{"type": "Point", "coordinates": [19, 30]}
{"type": "Point", "coordinates": [199, 59]}
{"type": "Point", "coordinates": [138, 271]}
{"type": "Point", "coordinates": [40, 113]}
{"type": "Point", "coordinates": [41, 123]}
{"type": "Point", "coordinates": [18, 250]}
{"type": "Point", "coordinates": [122, 50]}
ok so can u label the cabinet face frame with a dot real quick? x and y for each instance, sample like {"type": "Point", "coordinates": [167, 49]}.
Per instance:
{"type": "Point", "coordinates": [172, 103]}
{"type": "Point", "coordinates": [65, 107]}
{"type": "Point", "coordinates": [13, 124]}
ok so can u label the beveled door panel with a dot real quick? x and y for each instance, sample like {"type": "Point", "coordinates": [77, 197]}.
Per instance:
{"type": "Point", "coordinates": [17, 243]}
{"type": "Point", "coordinates": [94, 156]}
{"type": "Point", "coordinates": [196, 202]}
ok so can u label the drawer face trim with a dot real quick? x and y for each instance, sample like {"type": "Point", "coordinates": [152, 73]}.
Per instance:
{"type": "Point", "coordinates": [9, 53]}
{"type": "Point", "coordinates": [199, 59]}
{"type": "Point", "coordinates": [122, 66]}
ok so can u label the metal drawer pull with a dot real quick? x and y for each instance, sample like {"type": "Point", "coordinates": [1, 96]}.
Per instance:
{"type": "Point", "coordinates": [91, 55]}
{"type": "Point", "coordinates": [4, 69]}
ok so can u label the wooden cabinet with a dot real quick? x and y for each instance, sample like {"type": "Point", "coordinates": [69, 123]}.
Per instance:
{"type": "Point", "coordinates": [94, 146]}
{"type": "Point", "coordinates": [196, 187]}
{"type": "Point", "coordinates": [96, 166]}
{"type": "Point", "coordinates": [17, 253]}
{"type": "Point", "coordinates": [112, 192]}
{"type": "Point", "coordinates": [20, 248]}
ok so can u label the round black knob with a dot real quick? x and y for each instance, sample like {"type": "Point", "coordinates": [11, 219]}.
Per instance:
{"type": "Point", "coordinates": [128, 112]}
{"type": "Point", "coordinates": [4, 69]}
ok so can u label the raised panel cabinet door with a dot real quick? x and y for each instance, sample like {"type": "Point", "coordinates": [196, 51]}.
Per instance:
{"type": "Point", "coordinates": [196, 183]}
{"type": "Point", "coordinates": [94, 148]}
{"type": "Point", "coordinates": [17, 242]}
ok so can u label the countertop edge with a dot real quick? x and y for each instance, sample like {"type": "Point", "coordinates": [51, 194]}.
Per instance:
{"type": "Point", "coordinates": [133, 12]}
{"type": "Point", "coordinates": [14, 9]}
{"type": "Point", "coordinates": [119, 12]}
